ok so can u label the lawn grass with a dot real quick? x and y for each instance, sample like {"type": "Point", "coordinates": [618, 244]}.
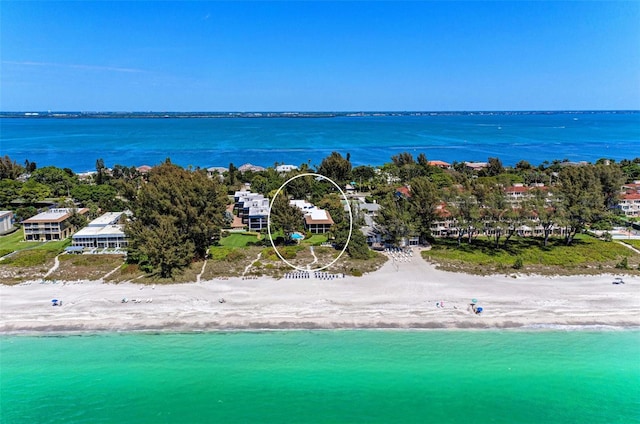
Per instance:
{"type": "Point", "coordinates": [585, 255]}
{"type": "Point", "coordinates": [632, 243]}
{"type": "Point", "coordinates": [15, 242]}
{"type": "Point", "coordinates": [239, 239]}
{"type": "Point", "coordinates": [315, 240]}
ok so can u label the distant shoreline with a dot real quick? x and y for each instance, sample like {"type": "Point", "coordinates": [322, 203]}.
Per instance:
{"type": "Point", "coordinates": [267, 114]}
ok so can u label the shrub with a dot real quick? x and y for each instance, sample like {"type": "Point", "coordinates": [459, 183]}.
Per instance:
{"type": "Point", "coordinates": [623, 264]}
{"type": "Point", "coordinates": [356, 272]}
{"type": "Point", "coordinates": [518, 264]}
{"type": "Point", "coordinates": [234, 256]}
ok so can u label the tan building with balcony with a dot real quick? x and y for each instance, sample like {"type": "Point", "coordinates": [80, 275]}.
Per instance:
{"type": "Point", "coordinates": [50, 225]}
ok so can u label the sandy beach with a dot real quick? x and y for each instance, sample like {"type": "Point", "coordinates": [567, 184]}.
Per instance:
{"type": "Point", "coordinates": [399, 295]}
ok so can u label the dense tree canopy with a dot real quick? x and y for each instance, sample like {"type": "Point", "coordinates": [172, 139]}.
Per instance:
{"type": "Point", "coordinates": [177, 215]}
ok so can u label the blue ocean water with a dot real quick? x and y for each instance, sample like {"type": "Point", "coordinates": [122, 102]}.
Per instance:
{"type": "Point", "coordinates": [346, 376]}
{"type": "Point", "coordinates": [370, 140]}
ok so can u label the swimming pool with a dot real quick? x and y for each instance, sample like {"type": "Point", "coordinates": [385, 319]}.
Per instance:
{"type": "Point", "coordinates": [297, 236]}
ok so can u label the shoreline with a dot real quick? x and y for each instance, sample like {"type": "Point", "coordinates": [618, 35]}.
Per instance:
{"type": "Point", "coordinates": [399, 296]}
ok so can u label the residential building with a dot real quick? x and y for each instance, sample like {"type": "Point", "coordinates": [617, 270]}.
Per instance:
{"type": "Point", "coordinates": [250, 167]}
{"type": "Point", "coordinates": [518, 193]}
{"type": "Point", "coordinates": [439, 164]}
{"type": "Point", "coordinates": [106, 231]}
{"type": "Point", "coordinates": [318, 221]}
{"type": "Point", "coordinates": [285, 168]}
{"type": "Point", "coordinates": [629, 203]}
{"type": "Point", "coordinates": [404, 191]}
{"type": "Point", "coordinates": [50, 225]}
{"type": "Point", "coordinates": [476, 166]}
{"type": "Point", "coordinates": [216, 171]}
{"type": "Point", "coordinates": [257, 217]}
{"type": "Point", "coordinates": [6, 221]}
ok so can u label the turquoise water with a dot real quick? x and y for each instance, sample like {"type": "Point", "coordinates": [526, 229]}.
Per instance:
{"type": "Point", "coordinates": [323, 377]}
{"type": "Point", "coordinates": [371, 140]}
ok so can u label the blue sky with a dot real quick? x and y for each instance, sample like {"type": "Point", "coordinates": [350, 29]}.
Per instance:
{"type": "Point", "coordinates": [319, 56]}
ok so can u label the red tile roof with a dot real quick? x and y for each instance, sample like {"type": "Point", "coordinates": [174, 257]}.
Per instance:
{"type": "Point", "coordinates": [439, 163]}
{"type": "Point", "coordinates": [405, 191]}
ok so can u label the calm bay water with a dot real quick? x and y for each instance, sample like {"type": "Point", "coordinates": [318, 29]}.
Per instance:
{"type": "Point", "coordinates": [372, 140]}
{"type": "Point", "coordinates": [323, 376]}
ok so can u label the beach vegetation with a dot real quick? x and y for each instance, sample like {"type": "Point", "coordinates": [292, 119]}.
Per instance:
{"type": "Point", "coordinates": [585, 255]}
{"type": "Point", "coordinates": [30, 258]}
{"type": "Point", "coordinates": [177, 215]}
{"type": "Point", "coordinates": [623, 264]}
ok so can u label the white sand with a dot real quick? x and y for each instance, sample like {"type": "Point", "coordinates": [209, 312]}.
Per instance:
{"type": "Point", "coordinates": [389, 298]}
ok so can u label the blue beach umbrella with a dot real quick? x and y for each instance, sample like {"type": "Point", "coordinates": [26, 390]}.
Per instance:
{"type": "Point", "coordinates": [54, 300]}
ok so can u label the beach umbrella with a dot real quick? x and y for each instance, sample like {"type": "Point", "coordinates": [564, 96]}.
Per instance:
{"type": "Point", "coordinates": [54, 300]}
{"type": "Point", "coordinates": [474, 300]}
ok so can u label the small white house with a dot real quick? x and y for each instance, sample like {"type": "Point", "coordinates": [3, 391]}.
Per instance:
{"type": "Point", "coordinates": [285, 168]}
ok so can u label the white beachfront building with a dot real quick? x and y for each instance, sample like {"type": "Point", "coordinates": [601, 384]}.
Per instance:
{"type": "Point", "coordinates": [106, 231]}
{"type": "Point", "coordinates": [630, 204]}
{"type": "Point", "coordinates": [316, 220]}
{"type": "Point", "coordinates": [6, 221]}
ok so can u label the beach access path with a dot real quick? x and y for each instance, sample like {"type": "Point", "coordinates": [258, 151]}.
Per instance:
{"type": "Point", "coordinates": [399, 295]}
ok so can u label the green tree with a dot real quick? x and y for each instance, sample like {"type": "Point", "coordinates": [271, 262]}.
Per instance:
{"type": "Point", "coordinates": [493, 214]}
{"type": "Point", "coordinates": [465, 215]}
{"type": "Point", "coordinates": [333, 204]}
{"type": "Point", "coordinates": [96, 193]}
{"type": "Point", "coordinates": [405, 167]}
{"type": "Point", "coordinates": [544, 211]}
{"type": "Point", "coordinates": [357, 247]}
{"type": "Point", "coordinates": [100, 171]}
{"type": "Point", "coordinates": [611, 179]}
{"type": "Point", "coordinates": [10, 168]}
{"type": "Point", "coordinates": [631, 169]}
{"type": "Point", "coordinates": [495, 167]}
{"type": "Point", "coordinates": [581, 196]}
{"type": "Point", "coordinates": [176, 216]}
{"type": "Point", "coordinates": [9, 191]}
{"type": "Point", "coordinates": [336, 167]}
{"type": "Point", "coordinates": [58, 180]}
{"type": "Point", "coordinates": [423, 201]}
{"type": "Point", "coordinates": [25, 212]}
{"type": "Point", "coordinates": [32, 191]}
{"type": "Point", "coordinates": [396, 218]}
{"type": "Point", "coordinates": [285, 217]}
